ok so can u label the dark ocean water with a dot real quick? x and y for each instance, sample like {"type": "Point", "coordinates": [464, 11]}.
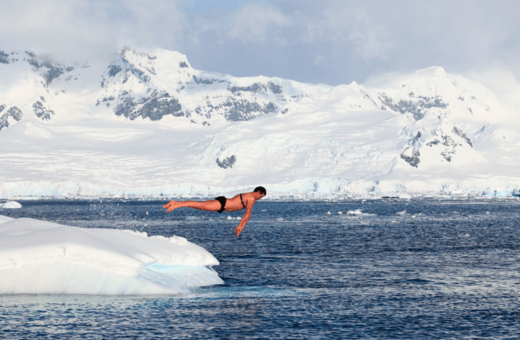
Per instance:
{"type": "Point", "coordinates": [442, 269]}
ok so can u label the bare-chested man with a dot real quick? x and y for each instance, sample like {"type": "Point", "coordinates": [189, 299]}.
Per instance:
{"type": "Point", "coordinates": [220, 204]}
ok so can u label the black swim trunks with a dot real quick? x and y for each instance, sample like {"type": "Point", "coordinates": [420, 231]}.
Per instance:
{"type": "Point", "coordinates": [222, 201]}
{"type": "Point", "coordinates": [241, 200]}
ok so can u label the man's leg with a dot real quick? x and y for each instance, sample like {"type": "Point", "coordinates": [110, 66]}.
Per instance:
{"type": "Point", "coordinates": [212, 205]}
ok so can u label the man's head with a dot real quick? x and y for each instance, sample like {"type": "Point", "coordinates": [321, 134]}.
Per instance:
{"type": "Point", "coordinates": [261, 190]}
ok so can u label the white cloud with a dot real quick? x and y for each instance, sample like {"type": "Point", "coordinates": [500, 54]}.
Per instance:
{"type": "Point", "coordinates": [81, 29]}
{"type": "Point", "coordinates": [319, 60]}
{"type": "Point", "coordinates": [257, 23]}
{"type": "Point", "coordinates": [289, 38]}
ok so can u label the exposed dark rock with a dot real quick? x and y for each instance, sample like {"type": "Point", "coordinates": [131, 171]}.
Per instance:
{"type": "Point", "coordinates": [276, 89]}
{"type": "Point", "coordinates": [155, 106]}
{"type": "Point", "coordinates": [411, 156]}
{"type": "Point", "coordinates": [227, 162]}
{"type": "Point", "coordinates": [255, 88]}
{"type": "Point", "coordinates": [207, 81]}
{"type": "Point", "coordinates": [140, 74]}
{"type": "Point", "coordinates": [284, 111]}
{"type": "Point", "coordinates": [34, 63]}
{"type": "Point", "coordinates": [113, 70]}
{"type": "Point", "coordinates": [41, 111]}
{"type": "Point", "coordinates": [105, 100]}
{"type": "Point", "coordinates": [258, 87]}
{"type": "Point", "coordinates": [245, 110]}
{"type": "Point", "coordinates": [203, 81]}
{"type": "Point", "coordinates": [447, 143]}
{"type": "Point", "coordinates": [234, 109]}
{"type": "Point", "coordinates": [365, 95]}
{"type": "Point", "coordinates": [416, 107]}
{"type": "Point", "coordinates": [53, 73]}
{"type": "Point", "coordinates": [13, 112]}
{"type": "Point", "coordinates": [183, 64]}
{"type": "Point", "coordinates": [4, 122]}
{"type": "Point", "coordinates": [417, 137]}
{"type": "Point", "coordinates": [462, 135]}
{"type": "Point", "coordinates": [4, 58]}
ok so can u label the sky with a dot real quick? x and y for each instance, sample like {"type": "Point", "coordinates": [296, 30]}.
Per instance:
{"type": "Point", "coordinates": [328, 41]}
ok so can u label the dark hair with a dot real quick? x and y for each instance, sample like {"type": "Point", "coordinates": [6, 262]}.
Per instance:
{"type": "Point", "coordinates": [260, 190]}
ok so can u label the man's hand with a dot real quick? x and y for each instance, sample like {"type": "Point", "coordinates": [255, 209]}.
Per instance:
{"type": "Point", "coordinates": [238, 230]}
{"type": "Point", "coordinates": [244, 220]}
{"type": "Point", "coordinates": [170, 206]}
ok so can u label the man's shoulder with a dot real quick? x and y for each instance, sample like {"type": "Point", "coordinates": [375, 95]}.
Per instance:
{"type": "Point", "coordinates": [249, 196]}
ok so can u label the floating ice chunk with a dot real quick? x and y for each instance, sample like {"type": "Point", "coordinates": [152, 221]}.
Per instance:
{"type": "Point", "coordinates": [48, 258]}
{"type": "Point", "coordinates": [279, 219]}
{"type": "Point", "coordinates": [401, 213]}
{"type": "Point", "coordinates": [11, 205]}
{"type": "Point", "coordinates": [339, 213]}
{"type": "Point", "coordinates": [487, 212]}
{"type": "Point", "coordinates": [354, 212]}
{"type": "Point", "coordinates": [229, 218]}
{"type": "Point", "coordinates": [5, 219]}
{"type": "Point", "coordinates": [264, 210]}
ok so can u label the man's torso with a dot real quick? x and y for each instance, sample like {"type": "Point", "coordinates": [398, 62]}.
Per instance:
{"type": "Point", "coordinates": [235, 204]}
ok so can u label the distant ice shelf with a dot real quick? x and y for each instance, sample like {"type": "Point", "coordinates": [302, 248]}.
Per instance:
{"type": "Point", "coordinates": [38, 257]}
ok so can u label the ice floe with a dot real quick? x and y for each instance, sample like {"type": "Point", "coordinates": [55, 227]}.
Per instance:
{"type": "Point", "coordinates": [44, 257]}
{"type": "Point", "coordinates": [10, 205]}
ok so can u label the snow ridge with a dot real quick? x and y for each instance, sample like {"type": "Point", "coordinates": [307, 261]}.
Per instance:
{"type": "Point", "coordinates": [147, 123]}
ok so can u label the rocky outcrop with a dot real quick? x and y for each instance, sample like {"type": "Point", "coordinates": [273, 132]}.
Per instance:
{"type": "Point", "coordinates": [12, 112]}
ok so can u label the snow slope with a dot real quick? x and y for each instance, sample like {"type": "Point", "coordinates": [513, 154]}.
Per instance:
{"type": "Point", "coordinates": [147, 123]}
{"type": "Point", "coordinates": [43, 257]}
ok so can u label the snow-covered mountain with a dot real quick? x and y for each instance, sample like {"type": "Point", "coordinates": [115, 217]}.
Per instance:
{"type": "Point", "coordinates": [147, 123]}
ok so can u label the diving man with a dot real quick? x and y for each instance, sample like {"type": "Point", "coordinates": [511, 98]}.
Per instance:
{"type": "Point", "coordinates": [220, 204]}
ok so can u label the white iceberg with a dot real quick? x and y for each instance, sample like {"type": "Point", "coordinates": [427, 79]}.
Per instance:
{"type": "Point", "coordinates": [49, 258]}
{"type": "Point", "coordinates": [10, 205]}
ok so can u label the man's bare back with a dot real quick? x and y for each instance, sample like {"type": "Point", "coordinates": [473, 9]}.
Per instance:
{"type": "Point", "coordinates": [238, 202]}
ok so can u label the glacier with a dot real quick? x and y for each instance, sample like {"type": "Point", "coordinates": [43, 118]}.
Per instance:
{"type": "Point", "coordinates": [39, 257]}
{"type": "Point", "coordinates": [147, 124]}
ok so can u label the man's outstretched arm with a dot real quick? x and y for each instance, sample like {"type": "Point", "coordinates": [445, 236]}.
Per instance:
{"type": "Point", "coordinates": [244, 220]}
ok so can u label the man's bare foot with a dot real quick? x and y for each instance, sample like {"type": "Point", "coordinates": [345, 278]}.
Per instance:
{"type": "Point", "coordinates": [172, 205]}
